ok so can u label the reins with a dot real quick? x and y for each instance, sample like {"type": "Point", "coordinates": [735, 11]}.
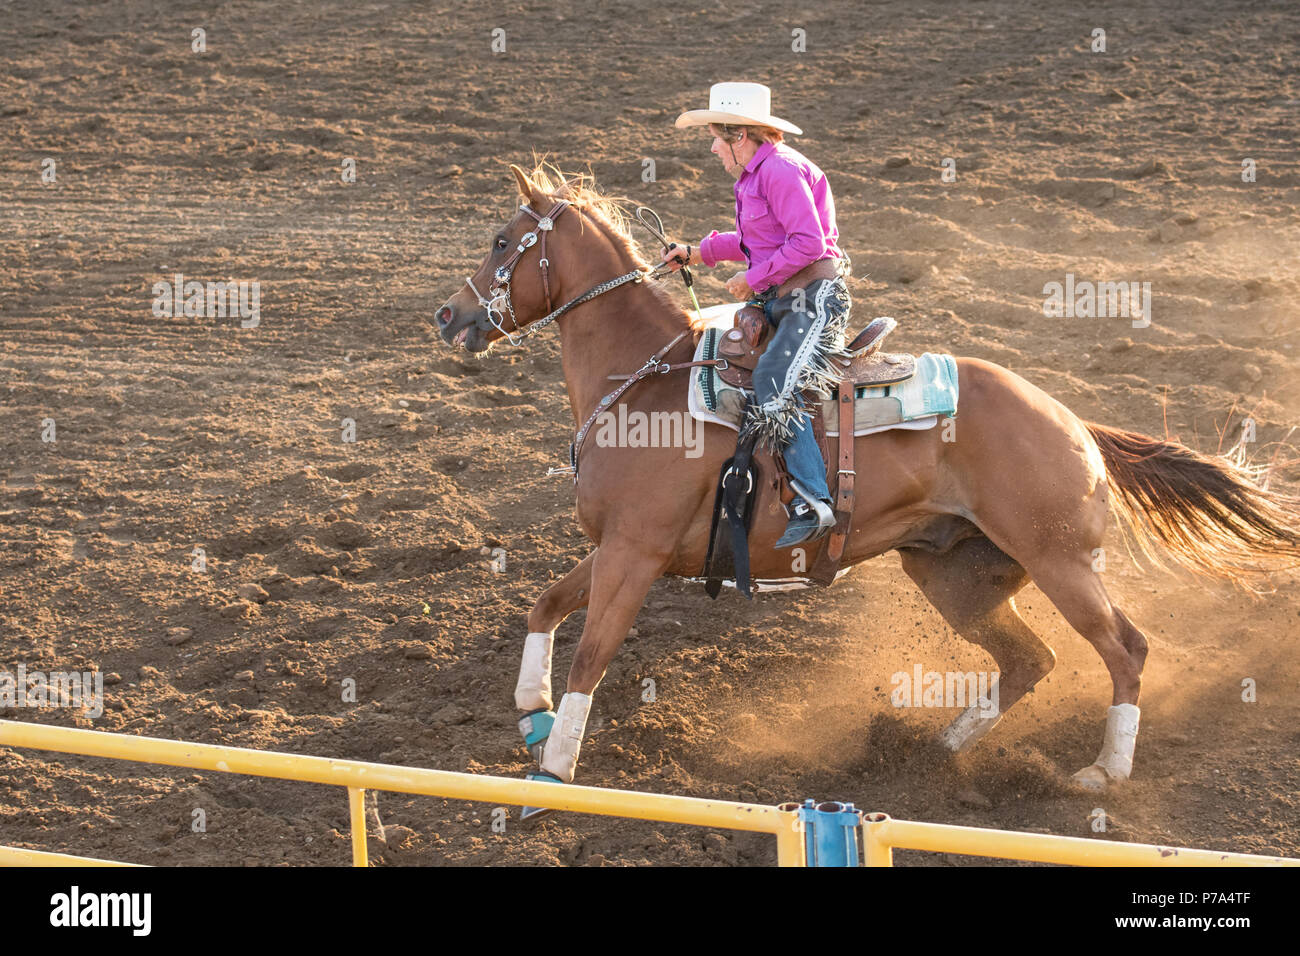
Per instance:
{"type": "Point", "coordinates": [653, 366]}
{"type": "Point", "coordinates": [643, 216]}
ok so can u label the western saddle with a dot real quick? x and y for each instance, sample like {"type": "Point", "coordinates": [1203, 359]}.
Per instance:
{"type": "Point", "coordinates": [866, 365]}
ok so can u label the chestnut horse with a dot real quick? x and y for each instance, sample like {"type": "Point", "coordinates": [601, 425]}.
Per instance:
{"type": "Point", "coordinates": [1022, 494]}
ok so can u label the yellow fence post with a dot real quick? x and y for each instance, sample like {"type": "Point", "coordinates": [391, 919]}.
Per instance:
{"type": "Point", "coordinates": [790, 848]}
{"type": "Point", "coordinates": [877, 850]}
{"type": "Point", "coordinates": [357, 811]}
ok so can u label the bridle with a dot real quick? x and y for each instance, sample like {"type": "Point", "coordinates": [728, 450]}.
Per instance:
{"type": "Point", "coordinates": [497, 303]}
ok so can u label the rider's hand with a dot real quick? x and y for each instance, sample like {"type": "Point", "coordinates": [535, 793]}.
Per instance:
{"type": "Point", "coordinates": [739, 288]}
{"type": "Point", "coordinates": [678, 256]}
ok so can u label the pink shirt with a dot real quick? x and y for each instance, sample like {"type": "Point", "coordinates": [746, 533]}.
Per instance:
{"type": "Point", "coordinates": [785, 218]}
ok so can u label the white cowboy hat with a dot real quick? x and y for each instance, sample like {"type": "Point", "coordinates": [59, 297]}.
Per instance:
{"type": "Point", "coordinates": [742, 103]}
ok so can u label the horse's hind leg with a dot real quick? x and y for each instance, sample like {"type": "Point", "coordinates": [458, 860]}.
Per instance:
{"type": "Point", "coordinates": [972, 585]}
{"type": "Point", "coordinates": [1076, 589]}
{"type": "Point", "coordinates": [533, 692]}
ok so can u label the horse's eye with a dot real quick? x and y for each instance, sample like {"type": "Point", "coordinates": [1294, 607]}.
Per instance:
{"type": "Point", "coordinates": [501, 242]}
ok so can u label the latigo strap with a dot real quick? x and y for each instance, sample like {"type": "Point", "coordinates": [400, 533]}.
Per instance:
{"type": "Point", "coordinates": [737, 492]}
{"type": "Point", "coordinates": [827, 565]}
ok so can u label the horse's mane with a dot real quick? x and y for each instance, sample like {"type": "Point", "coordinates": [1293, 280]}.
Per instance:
{"type": "Point", "coordinates": [609, 211]}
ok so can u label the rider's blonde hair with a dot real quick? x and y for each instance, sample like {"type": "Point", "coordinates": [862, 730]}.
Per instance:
{"type": "Point", "coordinates": [729, 132]}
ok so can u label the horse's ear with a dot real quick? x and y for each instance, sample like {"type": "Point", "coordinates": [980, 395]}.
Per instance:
{"type": "Point", "coordinates": [526, 188]}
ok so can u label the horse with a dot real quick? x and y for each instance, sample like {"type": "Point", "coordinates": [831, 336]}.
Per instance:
{"type": "Point", "coordinates": [1023, 493]}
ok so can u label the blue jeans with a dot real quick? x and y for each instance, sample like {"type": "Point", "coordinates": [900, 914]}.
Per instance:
{"type": "Point", "coordinates": [804, 459]}
{"type": "Point", "coordinates": [781, 372]}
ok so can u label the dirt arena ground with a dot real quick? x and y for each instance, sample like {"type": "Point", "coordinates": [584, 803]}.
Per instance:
{"type": "Point", "coordinates": [177, 433]}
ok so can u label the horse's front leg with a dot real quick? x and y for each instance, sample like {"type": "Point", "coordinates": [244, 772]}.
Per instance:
{"type": "Point", "coordinates": [557, 602]}
{"type": "Point", "coordinates": [533, 690]}
{"type": "Point", "coordinates": [621, 575]}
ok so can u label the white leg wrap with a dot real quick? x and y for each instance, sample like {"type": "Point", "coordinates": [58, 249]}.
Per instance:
{"type": "Point", "coordinates": [973, 722]}
{"type": "Point", "coordinates": [969, 726]}
{"type": "Point", "coordinates": [561, 757]}
{"type": "Point", "coordinates": [1116, 756]}
{"type": "Point", "coordinates": [533, 692]}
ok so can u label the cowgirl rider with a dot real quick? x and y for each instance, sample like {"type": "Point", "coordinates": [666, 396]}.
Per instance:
{"type": "Point", "coordinates": [786, 234]}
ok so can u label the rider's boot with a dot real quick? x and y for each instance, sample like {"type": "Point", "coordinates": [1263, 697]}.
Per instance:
{"type": "Point", "coordinates": [812, 515]}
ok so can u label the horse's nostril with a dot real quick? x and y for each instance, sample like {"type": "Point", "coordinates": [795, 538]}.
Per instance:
{"type": "Point", "coordinates": [443, 315]}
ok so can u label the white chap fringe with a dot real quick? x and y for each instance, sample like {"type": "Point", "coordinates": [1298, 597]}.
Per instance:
{"type": "Point", "coordinates": [533, 692]}
{"type": "Point", "coordinates": [774, 421]}
{"type": "Point", "coordinates": [561, 757]}
{"type": "Point", "coordinates": [1116, 756]}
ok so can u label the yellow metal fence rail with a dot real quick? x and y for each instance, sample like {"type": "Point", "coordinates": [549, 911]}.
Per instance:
{"type": "Point", "coordinates": [358, 776]}
{"type": "Point", "coordinates": [881, 834]}
{"type": "Point", "coordinates": [17, 856]}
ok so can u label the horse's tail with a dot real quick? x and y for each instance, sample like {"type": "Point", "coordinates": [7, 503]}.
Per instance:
{"type": "Point", "coordinates": [1210, 513]}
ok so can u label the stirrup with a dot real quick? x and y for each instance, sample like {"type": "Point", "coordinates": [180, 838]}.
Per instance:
{"type": "Point", "coordinates": [529, 814]}
{"type": "Point", "coordinates": [535, 726]}
{"type": "Point", "coordinates": [825, 516]}
{"type": "Point", "coordinates": [811, 531]}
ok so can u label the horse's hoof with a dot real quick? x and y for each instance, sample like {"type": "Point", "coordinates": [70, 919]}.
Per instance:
{"type": "Point", "coordinates": [1091, 778]}
{"type": "Point", "coordinates": [532, 814]}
